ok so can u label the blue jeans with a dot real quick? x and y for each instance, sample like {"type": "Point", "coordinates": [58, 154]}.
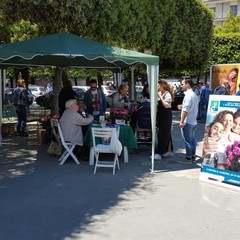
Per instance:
{"type": "Point", "coordinates": [22, 119]}
{"type": "Point", "coordinates": [188, 135]}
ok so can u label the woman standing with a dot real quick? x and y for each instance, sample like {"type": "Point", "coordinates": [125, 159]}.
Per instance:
{"type": "Point", "coordinates": [65, 94]}
{"type": "Point", "coordinates": [20, 102]}
{"type": "Point", "coordinates": [164, 120]}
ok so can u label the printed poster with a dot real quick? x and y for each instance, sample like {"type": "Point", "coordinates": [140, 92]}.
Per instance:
{"type": "Point", "coordinates": [221, 143]}
{"type": "Point", "coordinates": [225, 72]}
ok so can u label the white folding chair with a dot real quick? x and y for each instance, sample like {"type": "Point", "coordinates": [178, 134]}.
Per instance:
{"type": "Point", "coordinates": [68, 148]}
{"type": "Point", "coordinates": [104, 134]}
{"type": "Point", "coordinates": [54, 126]}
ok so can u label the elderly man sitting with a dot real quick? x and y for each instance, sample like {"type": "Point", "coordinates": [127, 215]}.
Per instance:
{"type": "Point", "coordinates": [71, 122]}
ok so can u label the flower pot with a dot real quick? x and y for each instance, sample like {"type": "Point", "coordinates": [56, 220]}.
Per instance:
{"type": "Point", "coordinates": [120, 121]}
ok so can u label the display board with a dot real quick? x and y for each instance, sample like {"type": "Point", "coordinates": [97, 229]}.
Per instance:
{"type": "Point", "coordinates": [221, 143]}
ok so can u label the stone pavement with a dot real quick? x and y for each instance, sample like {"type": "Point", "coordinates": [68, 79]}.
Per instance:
{"type": "Point", "coordinates": [40, 200]}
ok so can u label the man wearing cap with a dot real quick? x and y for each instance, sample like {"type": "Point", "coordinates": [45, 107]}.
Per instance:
{"type": "Point", "coordinates": [72, 121]}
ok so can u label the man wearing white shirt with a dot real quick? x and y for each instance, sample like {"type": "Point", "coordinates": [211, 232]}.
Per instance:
{"type": "Point", "coordinates": [188, 120]}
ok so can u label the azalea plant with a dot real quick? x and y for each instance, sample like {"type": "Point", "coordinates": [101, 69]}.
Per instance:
{"type": "Point", "coordinates": [233, 156]}
{"type": "Point", "coordinates": [119, 113]}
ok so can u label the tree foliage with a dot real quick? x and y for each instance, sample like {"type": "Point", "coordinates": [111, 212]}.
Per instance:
{"type": "Point", "coordinates": [187, 37]}
{"type": "Point", "coordinates": [179, 31]}
{"type": "Point", "coordinates": [231, 25]}
{"type": "Point", "coordinates": [226, 42]}
{"type": "Point", "coordinates": [23, 30]}
{"type": "Point", "coordinates": [226, 48]}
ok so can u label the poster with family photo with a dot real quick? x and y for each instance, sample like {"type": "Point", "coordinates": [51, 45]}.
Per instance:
{"type": "Point", "coordinates": [221, 143]}
{"type": "Point", "coordinates": [225, 73]}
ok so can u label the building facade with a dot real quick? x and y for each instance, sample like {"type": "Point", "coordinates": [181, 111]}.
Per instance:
{"type": "Point", "coordinates": [221, 9]}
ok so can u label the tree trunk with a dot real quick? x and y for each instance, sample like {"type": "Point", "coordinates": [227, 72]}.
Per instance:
{"type": "Point", "coordinates": [75, 81]}
{"type": "Point", "coordinates": [88, 81]}
{"type": "Point", "coordinates": [25, 75]}
{"type": "Point", "coordinates": [99, 79]}
{"type": "Point", "coordinates": [57, 85]}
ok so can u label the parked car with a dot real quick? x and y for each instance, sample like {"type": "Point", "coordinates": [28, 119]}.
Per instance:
{"type": "Point", "coordinates": [8, 95]}
{"type": "Point", "coordinates": [178, 99]}
{"type": "Point", "coordinates": [139, 88]}
{"type": "Point", "coordinates": [108, 90]}
{"type": "Point", "coordinates": [46, 99]}
{"type": "Point", "coordinates": [37, 90]}
{"type": "Point", "coordinates": [79, 93]}
{"type": "Point", "coordinates": [84, 88]}
{"type": "Point", "coordinates": [175, 83]}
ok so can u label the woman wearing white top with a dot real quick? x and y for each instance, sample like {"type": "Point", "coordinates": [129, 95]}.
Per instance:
{"type": "Point", "coordinates": [164, 120]}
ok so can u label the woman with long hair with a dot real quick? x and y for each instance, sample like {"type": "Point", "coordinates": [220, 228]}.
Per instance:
{"type": "Point", "coordinates": [20, 102]}
{"type": "Point", "coordinates": [226, 118]}
{"type": "Point", "coordinates": [145, 93]}
{"type": "Point", "coordinates": [232, 80]}
{"type": "Point", "coordinates": [164, 120]}
{"type": "Point", "coordinates": [211, 141]}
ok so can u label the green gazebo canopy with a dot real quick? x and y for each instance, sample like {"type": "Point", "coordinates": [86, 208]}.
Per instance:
{"type": "Point", "coordinates": [69, 50]}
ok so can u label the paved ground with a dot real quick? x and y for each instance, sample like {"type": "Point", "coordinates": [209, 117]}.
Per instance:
{"type": "Point", "coordinates": [40, 200]}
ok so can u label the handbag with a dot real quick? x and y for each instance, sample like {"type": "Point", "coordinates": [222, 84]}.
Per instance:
{"type": "Point", "coordinates": [115, 144]}
{"type": "Point", "coordinates": [55, 148]}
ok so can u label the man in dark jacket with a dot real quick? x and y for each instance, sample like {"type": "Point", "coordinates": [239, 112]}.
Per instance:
{"type": "Point", "coordinates": [222, 89]}
{"type": "Point", "coordinates": [204, 98]}
{"type": "Point", "coordinates": [95, 100]}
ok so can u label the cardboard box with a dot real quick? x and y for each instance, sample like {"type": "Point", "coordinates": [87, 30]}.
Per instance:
{"type": "Point", "coordinates": [8, 128]}
{"type": "Point", "coordinates": [41, 135]}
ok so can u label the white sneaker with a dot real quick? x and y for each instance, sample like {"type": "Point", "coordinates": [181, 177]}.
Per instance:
{"type": "Point", "coordinates": [168, 154]}
{"type": "Point", "coordinates": [156, 156]}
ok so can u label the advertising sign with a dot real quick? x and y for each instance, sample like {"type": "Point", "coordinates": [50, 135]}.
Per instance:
{"type": "Point", "coordinates": [221, 73]}
{"type": "Point", "coordinates": [221, 143]}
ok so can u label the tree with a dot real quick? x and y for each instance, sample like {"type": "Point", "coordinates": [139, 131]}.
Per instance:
{"type": "Point", "coordinates": [179, 31]}
{"type": "Point", "coordinates": [187, 37]}
{"type": "Point", "coordinates": [231, 25]}
{"type": "Point", "coordinates": [226, 42]}
{"type": "Point", "coordinates": [225, 48]}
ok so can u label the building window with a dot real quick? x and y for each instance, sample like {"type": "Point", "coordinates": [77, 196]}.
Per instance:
{"type": "Point", "coordinates": [213, 9]}
{"type": "Point", "coordinates": [234, 9]}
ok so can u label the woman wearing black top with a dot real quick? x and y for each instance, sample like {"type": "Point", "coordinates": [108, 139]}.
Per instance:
{"type": "Point", "coordinates": [164, 120]}
{"type": "Point", "coordinates": [65, 94]}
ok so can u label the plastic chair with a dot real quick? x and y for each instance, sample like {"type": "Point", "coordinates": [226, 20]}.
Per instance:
{"type": "Point", "coordinates": [104, 136]}
{"type": "Point", "coordinates": [68, 148]}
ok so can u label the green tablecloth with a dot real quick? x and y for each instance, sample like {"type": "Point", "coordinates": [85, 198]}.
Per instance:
{"type": "Point", "coordinates": [126, 137]}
